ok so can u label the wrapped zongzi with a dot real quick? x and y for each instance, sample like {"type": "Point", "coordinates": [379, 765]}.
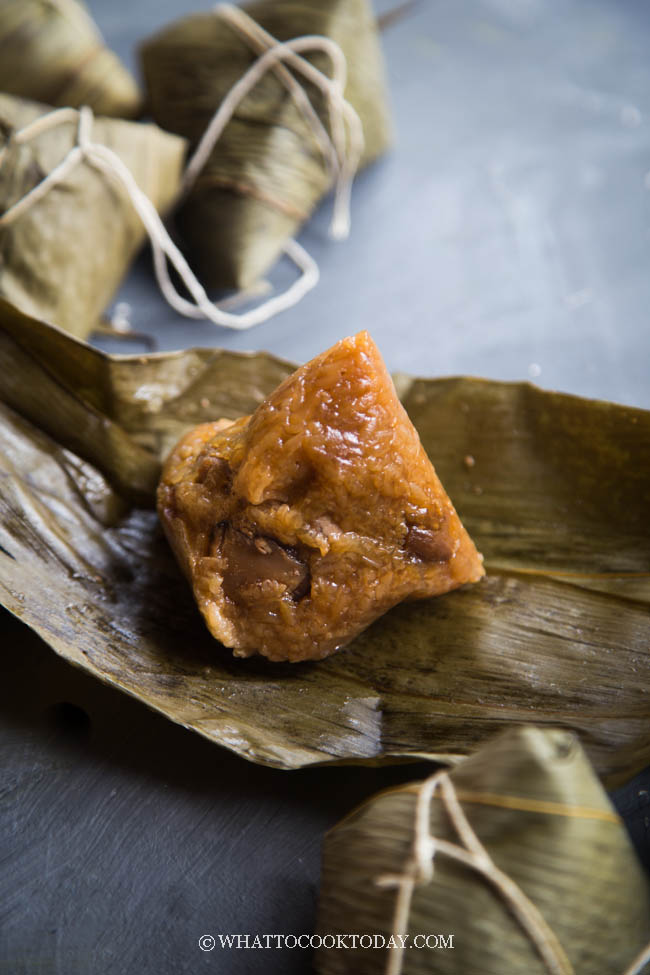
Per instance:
{"type": "Point", "coordinates": [514, 862]}
{"type": "Point", "coordinates": [63, 254]}
{"type": "Point", "coordinates": [267, 171]}
{"type": "Point", "coordinates": [300, 525]}
{"type": "Point", "coordinates": [51, 51]}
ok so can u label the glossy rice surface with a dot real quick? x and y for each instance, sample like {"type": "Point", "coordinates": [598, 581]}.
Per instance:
{"type": "Point", "coordinates": [301, 524]}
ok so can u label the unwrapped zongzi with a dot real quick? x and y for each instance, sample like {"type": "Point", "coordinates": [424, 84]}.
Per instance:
{"type": "Point", "coordinates": [51, 51]}
{"type": "Point", "coordinates": [267, 172]}
{"type": "Point", "coordinates": [63, 257]}
{"type": "Point", "coordinates": [300, 525]}
{"type": "Point", "coordinates": [514, 862]}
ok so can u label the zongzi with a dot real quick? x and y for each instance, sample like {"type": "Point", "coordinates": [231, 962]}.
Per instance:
{"type": "Point", "coordinates": [51, 51]}
{"type": "Point", "coordinates": [513, 862]}
{"type": "Point", "coordinates": [267, 172]}
{"type": "Point", "coordinates": [64, 255]}
{"type": "Point", "coordinates": [301, 524]}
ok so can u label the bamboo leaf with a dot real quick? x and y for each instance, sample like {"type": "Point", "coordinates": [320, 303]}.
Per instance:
{"type": "Point", "coordinates": [52, 52]}
{"type": "Point", "coordinates": [556, 634]}
{"type": "Point", "coordinates": [267, 172]}
{"type": "Point", "coordinates": [63, 257]}
{"type": "Point", "coordinates": [530, 802]}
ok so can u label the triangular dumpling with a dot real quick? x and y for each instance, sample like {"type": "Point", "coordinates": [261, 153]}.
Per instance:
{"type": "Point", "coordinates": [266, 173]}
{"type": "Point", "coordinates": [300, 525]}
{"type": "Point", "coordinates": [63, 259]}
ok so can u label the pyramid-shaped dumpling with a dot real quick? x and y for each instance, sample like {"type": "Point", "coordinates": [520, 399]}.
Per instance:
{"type": "Point", "coordinates": [300, 525]}
{"type": "Point", "coordinates": [267, 173]}
{"type": "Point", "coordinates": [64, 257]}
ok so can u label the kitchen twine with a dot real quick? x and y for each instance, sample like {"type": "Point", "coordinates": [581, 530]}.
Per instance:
{"type": "Point", "coordinates": [419, 870]}
{"type": "Point", "coordinates": [341, 151]}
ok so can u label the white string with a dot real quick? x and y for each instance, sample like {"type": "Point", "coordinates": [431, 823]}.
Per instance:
{"type": "Point", "coordinates": [260, 41]}
{"type": "Point", "coordinates": [104, 159]}
{"type": "Point", "coordinates": [342, 154]}
{"type": "Point", "coordinates": [419, 870]}
{"type": "Point", "coordinates": [343, 162]}
{"type": "Point", "coordinates": [59, 172]}
{"type": "Point", "coordinates": [420, 867]}
{"type": "Point", "coordinates": [639, 962]}
{"type": "Point", "coordinates": [255, 37]}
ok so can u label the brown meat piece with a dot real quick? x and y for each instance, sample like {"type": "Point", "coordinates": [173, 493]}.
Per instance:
{"type": "Point", "coordinates": [301, 524]}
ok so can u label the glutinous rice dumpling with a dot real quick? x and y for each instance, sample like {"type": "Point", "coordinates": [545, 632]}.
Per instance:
{"type": "Point", "coordinates": [63, 255]}
{"type": "Point", "coordinates": [267, 171]}
{"type": "Point", "coordinates": [301, 524]}
{"type": "Point", "coordinates": [513, 862]}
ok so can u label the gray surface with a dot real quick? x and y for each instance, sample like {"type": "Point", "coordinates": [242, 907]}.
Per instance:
{"type": "Point", "coordinates": [508, 233]}
{"type": "Point", "coordinates": [125, 839]}
{"type": "Point", "coordinates": [509, 230]}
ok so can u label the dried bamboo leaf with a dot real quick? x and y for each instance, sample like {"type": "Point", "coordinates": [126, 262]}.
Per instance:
{"type": "Point", "coordinates": [64, 257]}
{"type": "Point", "coordinates": [266, 174]}
{"type": "Point", "coordinates": [51, 51]}
{"type": "Point", "coordinates": [556, 634]}
{"type": "Point", "coordinates": [532, 800]}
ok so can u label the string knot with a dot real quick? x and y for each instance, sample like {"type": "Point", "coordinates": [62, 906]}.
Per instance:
{"type": "Point", "coordinates": [470, 851]}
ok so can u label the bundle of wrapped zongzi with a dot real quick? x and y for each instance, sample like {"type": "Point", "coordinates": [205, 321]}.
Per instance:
{"type": "Point", "coordinates": [51, 51]}
{"type": "Point", "coordinates": [300, 525]}
{"type": "Point", "coordinates": [63, 252]}
{"type": "Point", "coordinates": [268, 169]}
{"type": "Point", "coordinates": [513, 862]}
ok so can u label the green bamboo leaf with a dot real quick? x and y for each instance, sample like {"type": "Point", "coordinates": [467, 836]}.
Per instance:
{"type": "Point", "coordinates": [576, 900]}
{"type": "Point", "coordinates": [64, 256]}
